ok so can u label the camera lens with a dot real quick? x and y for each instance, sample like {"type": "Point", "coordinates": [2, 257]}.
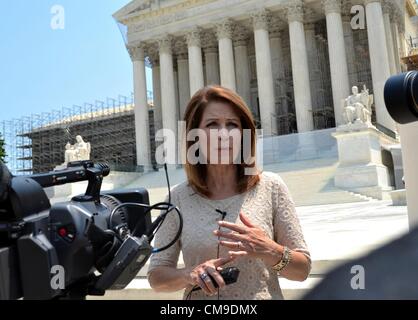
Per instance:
{"type": "Point", "coordinates": [401, 97]}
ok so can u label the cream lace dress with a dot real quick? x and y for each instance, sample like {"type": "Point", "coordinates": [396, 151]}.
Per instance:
{"type": "Point", "coordinates": [268, 205]}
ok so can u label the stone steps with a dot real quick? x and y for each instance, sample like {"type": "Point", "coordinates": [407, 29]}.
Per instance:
{"type": "Point", "coordinates": [361, 196]}
{"type": "Point", "coordinates": [310, 182]}
{"type": "Point", "coordinates": [315, 186]}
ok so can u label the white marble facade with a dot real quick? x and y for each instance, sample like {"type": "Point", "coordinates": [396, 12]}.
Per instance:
{"type": "Point", "coordinates": [284, 57]}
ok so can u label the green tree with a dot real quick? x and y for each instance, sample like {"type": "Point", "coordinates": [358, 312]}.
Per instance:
{"type": "Point", "coordinates": [2, 149]}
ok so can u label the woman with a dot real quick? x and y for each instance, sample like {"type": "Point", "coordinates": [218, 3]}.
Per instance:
{"type": "Point", "coordinates": [231, 218]}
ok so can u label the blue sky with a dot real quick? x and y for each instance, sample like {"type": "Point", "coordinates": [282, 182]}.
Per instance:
{"type": "Point", "coordinates": [44, 69]}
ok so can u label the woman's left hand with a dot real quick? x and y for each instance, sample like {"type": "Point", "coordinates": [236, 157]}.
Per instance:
{"type": "Point", "coordinates": [249, 240]}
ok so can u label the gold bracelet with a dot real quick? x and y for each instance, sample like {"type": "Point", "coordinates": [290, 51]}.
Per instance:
{"type": "Point", "coordinates": [284, 262]}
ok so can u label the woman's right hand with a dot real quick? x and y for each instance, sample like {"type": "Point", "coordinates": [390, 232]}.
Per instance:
{"type": "Point", "coordinates": [196, 276]}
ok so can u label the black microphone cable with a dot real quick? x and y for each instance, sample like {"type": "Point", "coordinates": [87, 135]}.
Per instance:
{"type": "Point", "coordinates": [223, 214]}
{"type": "Point", "coordinates": [155, 226]}
{"type": "Point", "coordinates": [195, 288]}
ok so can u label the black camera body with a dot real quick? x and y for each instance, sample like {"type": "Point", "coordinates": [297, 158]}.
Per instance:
{"type": "Point", "coordinates": [70, 249]}
{"type": "Point", "coordinates": [401, 97]}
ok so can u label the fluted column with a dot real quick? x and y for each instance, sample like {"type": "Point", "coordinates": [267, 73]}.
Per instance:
{"type": "Point", "coordinates": [402, 40]}
{"type": "Point", "coordinates": [337, 56]}
{"type": "Point", "coordinates": [168, 94]}
{"type": "Point", "coordinates": [143, 148]}
{"type": "Point", "coordinates": [264, 72]}
{"type": "Point", "coordinates": [212, 66]}
{"type": "Point", "coordinates": [176, 84]}
{"type": "Point", "coordinates": [277, 61]}
{"type": "Point", "coordinates": [276, 55]}
{"type": "Point", "coordinates": [396, 42]}
{"type": "Point", "coordinates": [276, 47]}
{"type": "Point", "coordinates": [226, 54]}
{"type": "Point", "coordinates": [183, 82]}
{"type": "Point", "coordinates": [387, 9]}
{"type": "Point", "coordinates": [242, 70]}
{"type": "Point", "coordinates": [313, 64]}
{"type": "Point", "coordinates": [379, 60]}
{"type": "Point", "coordinates": [211, 58]}
{"type": "Point", "coordinates": [350, 51]}
{"type": "Point", "coordinates": [183, 76]}
{"type": "Point", "coordinates": [156, 90]}
{"type": "Point", "coordinates": [195, 61]}
{"type": "Point", "coordinates": [401, 24]}
{"type": "Point", "coordinates": [300, 69]}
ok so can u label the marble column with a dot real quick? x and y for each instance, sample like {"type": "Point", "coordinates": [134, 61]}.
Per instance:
{"type": "Point", "coordinates": [242, 66]}
{"type": "Point", "coordinates": [210, 51]}
{"type": "Point", "coordinates": [396, 42]}
{"type": "Point", "coordinates": [402, 42]}
{"type": "Point", "coordinates": [350, 51]}
{"type": "Point", "coordinates": [277, 54]}
{"type": "Point", "coordinates": [176, 85]}
{"type": "Point", "coordinates": [337, 57]}
{"type": "Point", "coordinates": [212, 66]}
{"type": "Point", "coordinates": [277, 61]}
{"type": "Point", "coordinates": [183, 77]}
{"type": "Point", "coordinates": [387, 9]}
{"type": "Point", "coordinates": [226, 54]}
{"type": "Point", "coordinates": [264, 73]}
{"type": "Point", "coordinates": [403, 46]}
{"type": "Point", "coordinates": [313, 65]}
{"type": "Point", "coordinates": [143, 145]}
{"type": "Point", "coordinates": [195, 61]}
{"type": "Point", "coordinates": [300, 69]}
{"type": "Point", "coordinates": [379, 60]}
{"type": "Point", "coordinates": [156, 90]}
{"type": "Point", "coordinates": [168, 93]}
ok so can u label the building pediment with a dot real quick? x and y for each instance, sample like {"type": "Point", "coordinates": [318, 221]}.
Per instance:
{"type": "Point", "coordinates": [140, 10]}
{"type": "Point", "coordinates": [134, 8]}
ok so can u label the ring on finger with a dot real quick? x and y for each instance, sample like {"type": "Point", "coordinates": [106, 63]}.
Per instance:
{"type": "Point", "coordinates": [214, 274]}
{"type": "Point", "coordinates": [204, 276]}
{"type": "Point", "coordinates": [207, 281]}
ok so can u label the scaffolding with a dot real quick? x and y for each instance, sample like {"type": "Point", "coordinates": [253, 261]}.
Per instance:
{"type": "Point", "coordinates": [36, 143]}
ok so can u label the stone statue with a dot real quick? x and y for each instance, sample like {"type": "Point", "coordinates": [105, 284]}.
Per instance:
{"type": "Point", "coordinates": [77, 152]}
{"type": "Point", "coordinates": [83, 149]}
{"type": "Point", "coordinates": [70, 153]}
{"type": "Point", "coordinates": [358, 107]}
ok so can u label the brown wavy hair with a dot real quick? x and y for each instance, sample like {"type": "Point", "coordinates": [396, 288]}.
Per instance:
{"type": "Point", "coordinates": [196, 173]}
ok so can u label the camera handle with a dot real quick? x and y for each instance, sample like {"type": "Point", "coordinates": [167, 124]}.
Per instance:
{"type": "Point", "coordinates": [94, 175]}
{"type": "Point", "coordinates": [75, 172]}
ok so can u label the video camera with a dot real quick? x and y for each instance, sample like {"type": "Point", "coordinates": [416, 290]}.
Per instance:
{"type": "Point", "coordinates": [401, 97]}
{"type": "Point", "coordinates": [95, 242]}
